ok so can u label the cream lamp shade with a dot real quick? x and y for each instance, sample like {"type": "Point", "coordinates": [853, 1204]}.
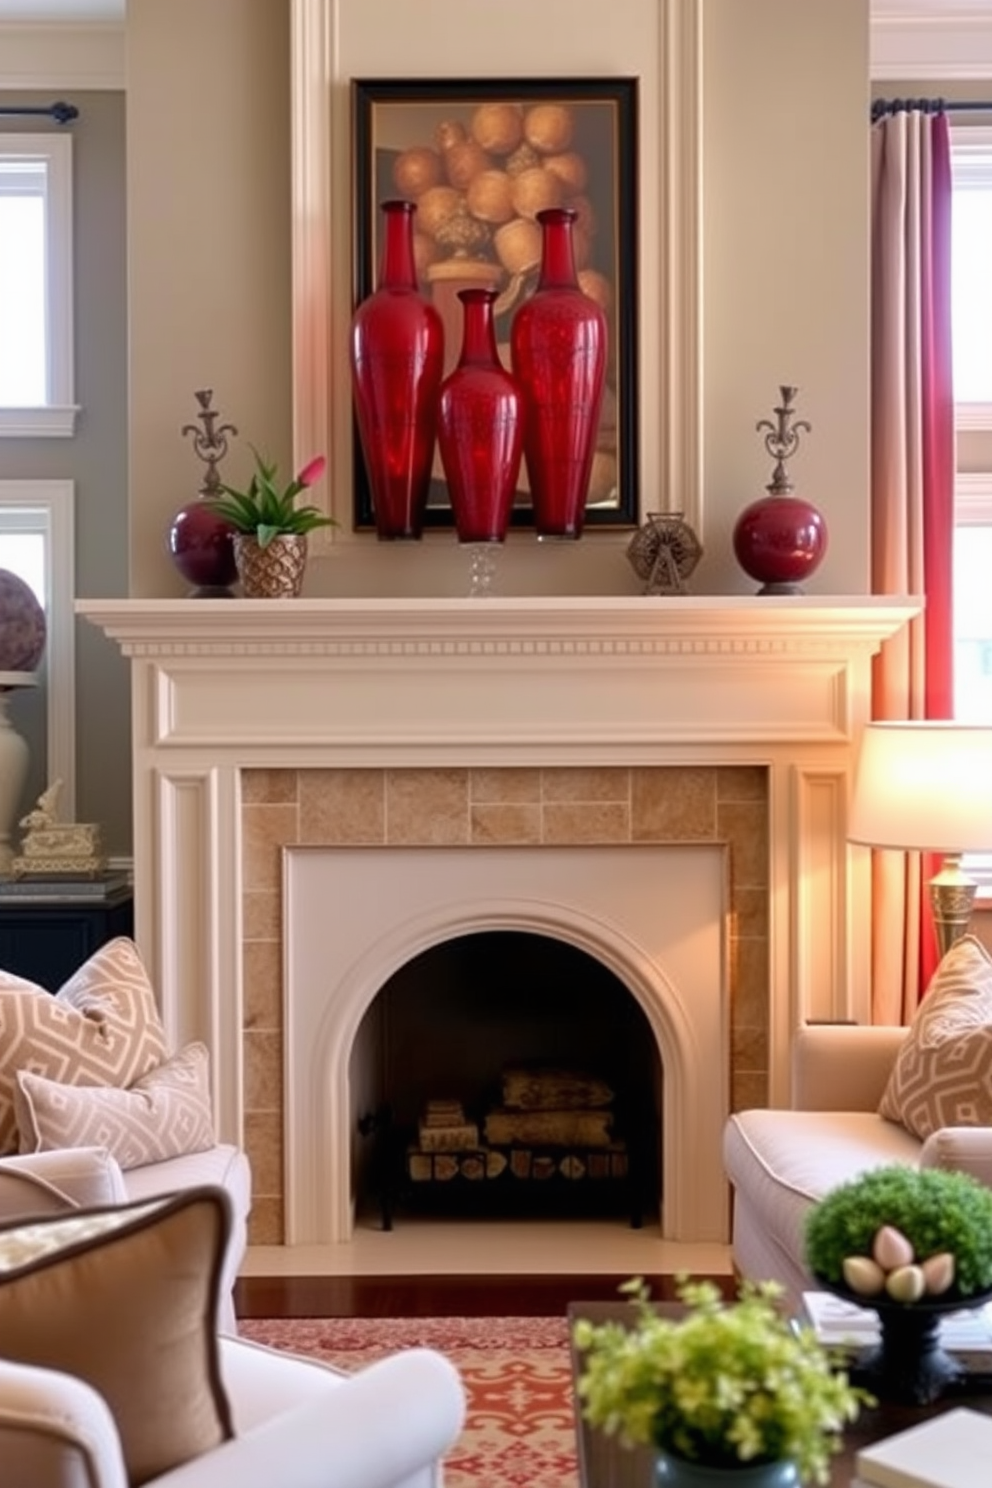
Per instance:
{"type": "Point", "coordinates": [927, 786]}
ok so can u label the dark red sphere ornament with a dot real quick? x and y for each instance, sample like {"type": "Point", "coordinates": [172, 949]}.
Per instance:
{"type": "Point", "coordinates": [201, 547]}
{"type": "Point", "coordinates": [781, 539]}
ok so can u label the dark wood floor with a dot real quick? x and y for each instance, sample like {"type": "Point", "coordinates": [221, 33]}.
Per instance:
{"type": "Point", "coordinates": [430, 1296]}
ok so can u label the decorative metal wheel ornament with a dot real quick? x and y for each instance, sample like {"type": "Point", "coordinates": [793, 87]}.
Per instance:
{"type": "Point", "coordinates": [663, 552]}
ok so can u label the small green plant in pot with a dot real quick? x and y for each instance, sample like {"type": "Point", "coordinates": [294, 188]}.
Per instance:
{"type": "Point", "coordinates": [722, 1392]}
{"type": "Point", "coordinates": [912, 1243]}
{"type": "Point", "coordinates": [270, 530]}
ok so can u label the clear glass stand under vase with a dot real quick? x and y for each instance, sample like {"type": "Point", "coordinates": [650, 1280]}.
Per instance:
{"type": "Point", "coordinates": [482, 568]}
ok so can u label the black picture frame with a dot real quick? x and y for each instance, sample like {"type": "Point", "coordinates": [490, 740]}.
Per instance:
{"type": "Point", "coordinates": [598, 118]}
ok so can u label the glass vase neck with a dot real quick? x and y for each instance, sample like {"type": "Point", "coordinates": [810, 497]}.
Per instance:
{"type": "Point", "coordinates": [397, 269]}
{"type": "Point", "coordinates": [557, 249]}
{"type": "Point", "coordinates": [478, 330]}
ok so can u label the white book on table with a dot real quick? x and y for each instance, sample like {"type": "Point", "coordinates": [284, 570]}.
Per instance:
{"type": "Point", "coordinates": [952, 1450]}
{"type": "Point", "coordinates": [967, 1335]}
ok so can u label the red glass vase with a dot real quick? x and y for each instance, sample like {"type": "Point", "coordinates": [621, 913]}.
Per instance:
{"type": "Point", "coordinates": [558, 352]}
{"type": "Point", "coordinates": [200, 541]}
{"type": "Point", "coordinates": [480, 428]}
{"type": "Point", "coordinates": [397, 361]}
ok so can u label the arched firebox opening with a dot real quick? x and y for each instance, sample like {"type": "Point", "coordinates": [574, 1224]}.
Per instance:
{"type": "Point", "coordinates": [506, 1073]}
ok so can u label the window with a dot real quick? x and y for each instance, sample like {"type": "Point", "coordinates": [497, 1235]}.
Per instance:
{"type": "Point", "coordinates": [971, 256]}
{"type": "Point", "coordinates": [971, 150]}
{"type": "Point", "coordinates": [37, 543]}
{"type": "Point", "coordinates": [36, 353]}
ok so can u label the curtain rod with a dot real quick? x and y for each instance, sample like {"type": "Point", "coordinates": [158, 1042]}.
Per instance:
{"type": "Point", "coordinates": [62, 113]}
{"type": "Point", "coordinates": [882, 107]}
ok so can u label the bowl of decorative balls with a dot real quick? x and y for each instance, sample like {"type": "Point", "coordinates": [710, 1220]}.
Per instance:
{"type": "Point", "coordinates": [914, 1244]}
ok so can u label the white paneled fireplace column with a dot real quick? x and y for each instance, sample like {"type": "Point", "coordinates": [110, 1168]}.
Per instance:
{"type": "Point", "coordinates": [783, 684]}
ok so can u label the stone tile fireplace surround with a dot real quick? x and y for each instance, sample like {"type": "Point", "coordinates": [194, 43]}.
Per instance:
{"type": "Point", "coordinates": [265, 733]}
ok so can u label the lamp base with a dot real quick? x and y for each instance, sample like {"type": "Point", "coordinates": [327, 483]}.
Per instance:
{"type": "Point", "coordinates": [952, 900]}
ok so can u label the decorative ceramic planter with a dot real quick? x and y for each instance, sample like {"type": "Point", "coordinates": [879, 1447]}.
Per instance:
{"type": "Point", "coordinates": [273, 572]}
{"type": "Point", "coordinates": [677, 1472]}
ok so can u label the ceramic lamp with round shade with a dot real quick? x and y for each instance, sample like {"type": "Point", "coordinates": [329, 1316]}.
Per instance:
{"type": "Point", "coordinates": [22, 643]}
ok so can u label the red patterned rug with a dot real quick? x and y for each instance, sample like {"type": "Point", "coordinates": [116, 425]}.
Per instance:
{"type": "Point", "coordinates": [520, 1431]}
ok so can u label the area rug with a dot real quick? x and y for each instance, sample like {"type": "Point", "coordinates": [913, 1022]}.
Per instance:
{"type": "Point", "coordinates": [520, 1429]}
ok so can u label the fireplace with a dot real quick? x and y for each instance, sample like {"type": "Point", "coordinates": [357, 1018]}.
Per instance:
{"type": "Point", "coordinates": [270, 739]}
{"type": "Point", "coordinates": [655, 916]}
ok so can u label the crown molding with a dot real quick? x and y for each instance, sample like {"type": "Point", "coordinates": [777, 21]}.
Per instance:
{"type": "Point", "coordinates": [52, 55]}
{"type": "Point", "coordinates": [920, 40]}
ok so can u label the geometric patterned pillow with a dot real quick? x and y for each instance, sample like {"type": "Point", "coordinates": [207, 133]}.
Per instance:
{"type": "Point", "coordinates": [164, 1114]}
{"type": "Point", "coordinates": [943, 1073]}
{"type": "Point", "coordinates": [101, 1028]}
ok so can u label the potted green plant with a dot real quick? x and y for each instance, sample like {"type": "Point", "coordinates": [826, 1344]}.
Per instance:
{"type": "Point", "coordinates": [269, 529]}
{"type": "Point", "coordinates": [912, 1243]}
{"type": "Point", "coordinates": [726, 1393]}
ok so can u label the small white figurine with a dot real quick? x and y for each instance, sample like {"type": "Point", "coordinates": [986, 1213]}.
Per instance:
{"type": "Point", "coordinates": [50, 847]}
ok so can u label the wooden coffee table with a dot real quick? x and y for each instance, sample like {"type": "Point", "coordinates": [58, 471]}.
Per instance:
{"type": "Point", "coordinates": [605, 1464]}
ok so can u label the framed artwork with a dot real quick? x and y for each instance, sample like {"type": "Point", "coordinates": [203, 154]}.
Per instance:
{"type": "Point", "coordinates": [480, 159]}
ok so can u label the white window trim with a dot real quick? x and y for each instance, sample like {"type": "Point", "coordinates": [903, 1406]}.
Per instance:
{"type": "Point", "coordinates": [56, 418]}
{"type": "Point", "coordinates": [46, 506]}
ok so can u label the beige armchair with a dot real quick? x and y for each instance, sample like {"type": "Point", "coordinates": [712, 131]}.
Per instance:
{"type": "Point", "coordinates": [289, 1422]}
{"type": "Point", "coordinates": [82, 1177]}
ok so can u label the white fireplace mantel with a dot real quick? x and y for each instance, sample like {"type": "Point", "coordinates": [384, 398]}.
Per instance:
{"type": "Point", "coordinates": [217, 686]}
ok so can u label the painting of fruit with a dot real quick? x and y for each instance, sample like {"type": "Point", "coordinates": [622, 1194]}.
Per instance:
{"type": "Point", "coordinates": [480, 160]}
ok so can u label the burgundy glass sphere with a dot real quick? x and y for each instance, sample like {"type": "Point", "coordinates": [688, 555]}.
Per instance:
{"type": "Point", "coordinates": [201, 547]}
{"type": "Point", "coordinates": [480, 428]}
{"type": "Point", "coordinates": [397, 361]}
{"type": "Point", "coordinates": [780, 540]}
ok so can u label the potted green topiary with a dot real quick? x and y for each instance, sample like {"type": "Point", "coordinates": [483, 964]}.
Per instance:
{"type": "Point", "coordinates": [270, 530]}
{"type": "Point", "coordinates": [729, 1393]}
{"type": "Point", "coordinates": [912, 1243]}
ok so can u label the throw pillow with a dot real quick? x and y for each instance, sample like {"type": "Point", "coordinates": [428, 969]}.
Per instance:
{"type": "Point", "coordinates": [943, 1073]}
{"type": "Point", "coordinates": [101, 1028]}
{"type": "Point", "coordinates": [165, 1114]}
{"type": "Point", "coordinates": [125, 1298]}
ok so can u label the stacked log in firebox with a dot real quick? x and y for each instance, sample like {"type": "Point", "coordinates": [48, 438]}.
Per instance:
{"type": "Point", "coordinates": [550, 1122]}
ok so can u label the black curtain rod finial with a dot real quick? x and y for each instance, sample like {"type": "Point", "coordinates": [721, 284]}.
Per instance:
{"type": "Point", "coordinates": [62, 113]}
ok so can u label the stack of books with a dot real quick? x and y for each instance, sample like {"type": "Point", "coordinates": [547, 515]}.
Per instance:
{"type": "Point", "coordinates": [965, 1335]}
{"type": "Point", "coordinates": [60, 887]}
{"type": "Point", "coordinates": [953, 1450]}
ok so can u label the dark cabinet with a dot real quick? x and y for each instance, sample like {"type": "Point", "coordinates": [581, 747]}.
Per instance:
{"type": "Point", "coordinates": [46, 940]}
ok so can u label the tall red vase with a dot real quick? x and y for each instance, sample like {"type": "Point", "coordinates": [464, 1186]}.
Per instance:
{"type": "Point", "coordinates": [480, 428]}
{"type": "Point", "coordinates": [397, 361]}
{"type": "Point", "coordinates": [558, 351]}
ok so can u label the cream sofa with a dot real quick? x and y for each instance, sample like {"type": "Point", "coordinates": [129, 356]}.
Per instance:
{"type": "Point", "coordinates": [83, 1177]}
{"type": "Point", "coordinates": [780, 1161]}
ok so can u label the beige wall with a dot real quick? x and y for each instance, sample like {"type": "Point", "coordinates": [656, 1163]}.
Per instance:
{"type": "Point", "coordinates": [784, 271]}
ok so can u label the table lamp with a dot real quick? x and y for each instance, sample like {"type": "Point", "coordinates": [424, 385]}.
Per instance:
{"type": "Point", "coordinates": [927, 787]}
